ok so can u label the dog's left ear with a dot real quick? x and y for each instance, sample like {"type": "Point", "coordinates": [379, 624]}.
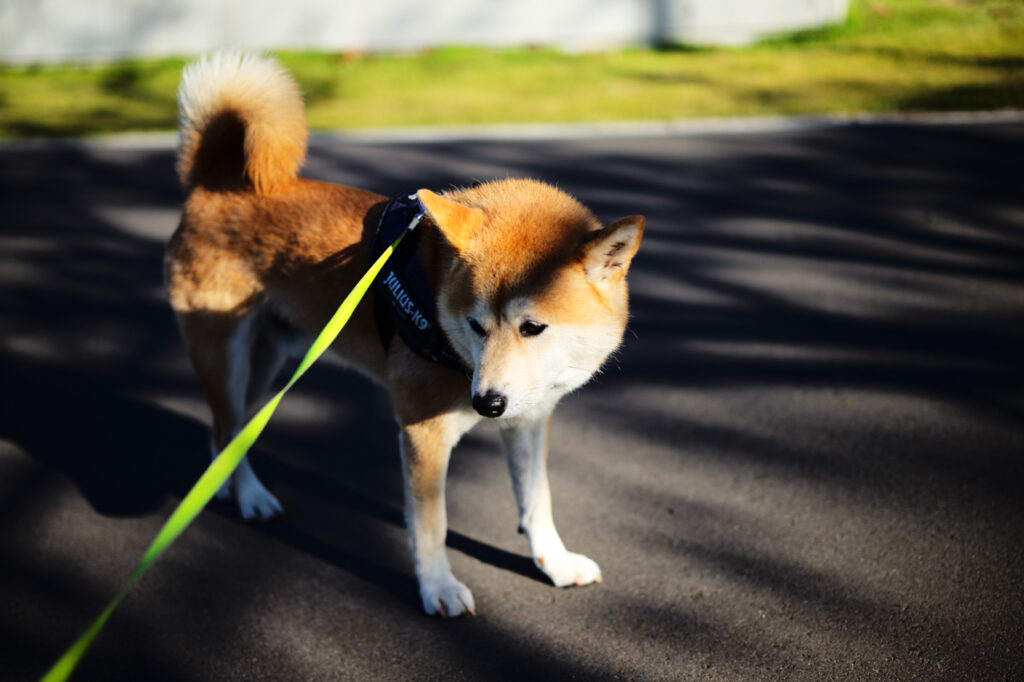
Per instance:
{"type": "Point", "coordinates": [456, 222]}
{"type": "Point", "coordinates": [607, 253]}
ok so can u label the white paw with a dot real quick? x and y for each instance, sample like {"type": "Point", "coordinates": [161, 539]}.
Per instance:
{"type": "Point", "coordinates": [255, 502]}
{"type": "Point", "coordinates": [448, 598]}
{"type": "Point", "coordinates": [568, 568]}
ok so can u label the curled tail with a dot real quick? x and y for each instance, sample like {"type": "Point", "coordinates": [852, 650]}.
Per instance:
{"type": "Point", "coordinates": [242, 124]}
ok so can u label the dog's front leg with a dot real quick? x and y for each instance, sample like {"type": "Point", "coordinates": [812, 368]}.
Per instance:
{"type": "Point", "coordinates": [426, 447]}
{"type": "Point", "coordinates": [526, 449]}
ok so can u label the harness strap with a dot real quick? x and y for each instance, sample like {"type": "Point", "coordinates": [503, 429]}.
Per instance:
{"type": "Point", "coordinates": [403, 301]}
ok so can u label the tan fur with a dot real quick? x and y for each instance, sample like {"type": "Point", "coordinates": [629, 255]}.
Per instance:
{"type": "Point", "coordinates": [535, 227]}
{"type": "Point", "coordinates": [261, 254]}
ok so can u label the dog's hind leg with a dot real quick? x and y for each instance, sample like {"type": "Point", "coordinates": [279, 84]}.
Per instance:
{"type": "Point", "coordinates": [526, 449]}
{"type": "Point", "coordinates": [221, 347]}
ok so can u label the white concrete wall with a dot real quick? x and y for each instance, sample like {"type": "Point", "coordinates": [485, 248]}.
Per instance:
{"type": "Point", "coordinates": [54, 30]}
{"type": "Point", "coordinates": [737, 22]}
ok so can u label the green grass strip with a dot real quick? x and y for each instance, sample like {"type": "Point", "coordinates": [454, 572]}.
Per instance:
{"type": "Point", "coordinates": [888, 56]}
{"type": "Point", "coordinates": [219, 470]}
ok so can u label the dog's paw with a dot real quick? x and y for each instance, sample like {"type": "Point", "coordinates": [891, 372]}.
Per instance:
{"type": "Point", "coordinates": [255, 502]}
{"type": "Point", "coordinates": [448, 598]}
{"type": "Point", "coordinates": [568, 568]}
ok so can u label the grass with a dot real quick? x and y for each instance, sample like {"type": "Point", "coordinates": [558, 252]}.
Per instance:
{"type": "Point", "coordinates": [890, 55]}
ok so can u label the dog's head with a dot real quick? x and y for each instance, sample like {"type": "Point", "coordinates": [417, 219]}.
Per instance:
{"type": "Point", "coordinates": [535, 299]}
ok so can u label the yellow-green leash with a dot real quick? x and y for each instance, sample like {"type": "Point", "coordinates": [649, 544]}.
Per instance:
{"type": "Point", "coordinates": [222, 466]}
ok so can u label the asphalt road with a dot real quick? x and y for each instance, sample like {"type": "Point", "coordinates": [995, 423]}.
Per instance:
{"type": "Point", "coordinates": [806, 462]}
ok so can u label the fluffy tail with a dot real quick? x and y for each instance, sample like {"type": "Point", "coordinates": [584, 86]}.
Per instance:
{"type": "Point", "coordinates": [242, 124]}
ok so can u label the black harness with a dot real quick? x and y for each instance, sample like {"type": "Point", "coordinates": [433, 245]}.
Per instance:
{"type": "Point", "coordinates": [403, 301]}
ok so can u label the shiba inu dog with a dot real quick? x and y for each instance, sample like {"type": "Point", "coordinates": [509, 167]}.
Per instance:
{"type": "Point", "coordinates": [528, 287]}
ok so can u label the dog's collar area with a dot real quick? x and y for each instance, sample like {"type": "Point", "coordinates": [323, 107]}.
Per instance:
{"type": "Point", "coordinates": [416, 219]}
{"type": "Point", "coordinates": [403, 301]}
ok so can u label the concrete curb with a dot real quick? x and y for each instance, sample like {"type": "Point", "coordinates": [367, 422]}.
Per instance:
{"type": "Point", "coordinates": [558, 131]}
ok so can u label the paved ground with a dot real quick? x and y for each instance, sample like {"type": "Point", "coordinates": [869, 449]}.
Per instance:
{"type": "Point", "coordinates": [806, 463]}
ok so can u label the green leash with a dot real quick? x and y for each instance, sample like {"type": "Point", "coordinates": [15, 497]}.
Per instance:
{"type": "Point", "coordinates": [221, 467]}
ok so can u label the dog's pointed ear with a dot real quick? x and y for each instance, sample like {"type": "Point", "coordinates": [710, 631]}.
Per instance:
{"type": "Point", "coordinates": [607, 253]}
{"type": "Point", "coordinates": [456, 222]}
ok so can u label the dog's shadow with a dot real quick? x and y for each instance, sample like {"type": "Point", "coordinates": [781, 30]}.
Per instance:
{"type": "Point", "coordinates": [355, 500]}
{"type": "Point", "coordinates": [354, 465]}
{"type": "Point", "coordinates": [125, 455]}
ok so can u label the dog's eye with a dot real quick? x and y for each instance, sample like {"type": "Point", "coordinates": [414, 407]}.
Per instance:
{"type": "Point", "coordinates": [476, 327]}
{"type": "Point", "coordinates": [531, 328]}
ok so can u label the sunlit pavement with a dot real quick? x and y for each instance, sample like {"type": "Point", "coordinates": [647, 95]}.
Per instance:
{"type": "Point", "coordinates": [805, 463]}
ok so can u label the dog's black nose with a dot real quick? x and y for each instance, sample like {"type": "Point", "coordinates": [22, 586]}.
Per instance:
{"type": "Point", "coordinates": [490, 404]}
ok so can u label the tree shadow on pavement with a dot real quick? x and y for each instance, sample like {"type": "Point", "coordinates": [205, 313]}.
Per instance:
{"type": "Point", "coordinates": [827, 313]}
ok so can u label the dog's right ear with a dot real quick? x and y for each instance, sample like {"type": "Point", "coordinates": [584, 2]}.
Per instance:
{"type": "Point", "coordinates": [457, 223]}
